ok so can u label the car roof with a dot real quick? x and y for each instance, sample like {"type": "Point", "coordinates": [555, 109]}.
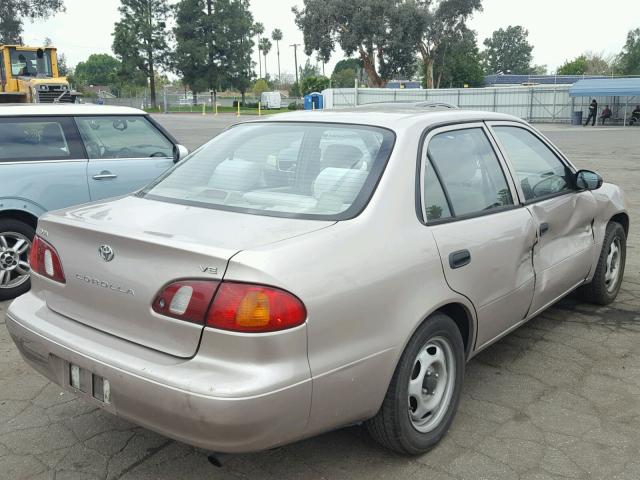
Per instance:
{"type": "Point", "coordinates": [394, 118]}
{"type": "Point", "coordinates": [49, 109]}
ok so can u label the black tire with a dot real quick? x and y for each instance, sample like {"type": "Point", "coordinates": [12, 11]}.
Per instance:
{"type": "Point", "coordinates": [600, 291]}
{"type": "Point", "coordinates": [392, 426]}
{"type": "Point", "coordinates": [22, 228]}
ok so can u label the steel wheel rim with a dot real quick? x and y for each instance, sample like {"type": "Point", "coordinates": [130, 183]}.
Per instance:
{"type": "Point", "coordinates": [431, 384]}
{"type": "Point", "coordinates": [613, 264]}
{"type": "Point", "coordinates": [14, 265]}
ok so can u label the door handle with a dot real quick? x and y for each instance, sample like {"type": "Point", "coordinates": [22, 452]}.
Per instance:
{"type": "Point", "coordinates": [459, 259]}
{"type": "Point", "coordinates": [105, 176]}
{"type": "Point", "coordinates": [544, 228]}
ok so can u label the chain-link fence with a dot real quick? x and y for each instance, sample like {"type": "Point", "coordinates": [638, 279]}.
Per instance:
{"type": "Point", "coordinates": [544, 104]}
{"type": "Point", "coordinates": [185, 103]}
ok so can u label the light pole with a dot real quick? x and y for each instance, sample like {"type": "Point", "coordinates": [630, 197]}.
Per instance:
{"type": "Point", "coordinates": [295, 58]}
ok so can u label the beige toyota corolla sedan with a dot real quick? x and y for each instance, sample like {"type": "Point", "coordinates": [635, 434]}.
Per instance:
{"type": "Point", "coordinates": [316, 270]}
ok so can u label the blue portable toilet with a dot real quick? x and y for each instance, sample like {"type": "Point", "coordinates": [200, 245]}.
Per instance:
{"type": "Point", "coordinates": [313, 101]}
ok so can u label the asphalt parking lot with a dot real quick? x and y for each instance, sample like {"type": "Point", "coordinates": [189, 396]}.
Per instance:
{"type": "Point", "coordinates": [558, 398]}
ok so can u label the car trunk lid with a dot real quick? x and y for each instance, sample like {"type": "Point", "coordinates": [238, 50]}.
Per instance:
{"type": "Point", "coordinates": [153, 244]}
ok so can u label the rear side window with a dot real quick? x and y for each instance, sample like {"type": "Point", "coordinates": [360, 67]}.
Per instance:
{"type": "Point", "coordinates": [469, 172]}
{"type": "Point", "coordinates": [38, 138]}
{"type": "Point", "coordinates": [299, 170]}
{"type": "Point", "coordinates": [122, 137]}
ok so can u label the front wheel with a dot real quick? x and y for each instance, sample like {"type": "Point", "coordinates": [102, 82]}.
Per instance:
{"type": "Point", "coordinates": [425, 389]}
{"type": "Point", "coordinates": [15, 242]}
{"type": "Point", "coordinates": [607, 278]}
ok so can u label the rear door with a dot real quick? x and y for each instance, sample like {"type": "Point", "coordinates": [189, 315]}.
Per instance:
{"type": "Point", "coordinates": [563, 256]}
{"type": "Point", "coordinates": [42, 162]}
{"type": "Point", "coordinates": [125, 153]}
{"type": "Point", "coordinates": [485, 239]}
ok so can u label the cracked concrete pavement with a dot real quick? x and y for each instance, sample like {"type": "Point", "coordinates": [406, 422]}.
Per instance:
{"type": "Point", "coordinates": [558, 398]}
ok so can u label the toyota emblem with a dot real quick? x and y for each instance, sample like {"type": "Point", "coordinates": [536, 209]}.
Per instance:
{"type": "Point", "coordinates": [106, 252]}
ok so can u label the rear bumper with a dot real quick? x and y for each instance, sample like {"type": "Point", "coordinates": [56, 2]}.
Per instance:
{"type": "Point", "coordinates": [211, 401]}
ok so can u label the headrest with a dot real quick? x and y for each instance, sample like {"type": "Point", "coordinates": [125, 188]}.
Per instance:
{"type": "Point", "coordinates": [52, 135]}
{"type": "Point", "coordinates": [341, 156]}
{"type": "Point", "coordinates": [342, 183]}
{"type": "Point", "coordinates": [238, 175]}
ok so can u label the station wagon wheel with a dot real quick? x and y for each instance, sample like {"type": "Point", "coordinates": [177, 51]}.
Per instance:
{"type": "Point", "coordinates": [15, 242]}
{"type": "Point", "coordinates": [609, 271]}
{"type": "Point", "coordinates": [424, 392]}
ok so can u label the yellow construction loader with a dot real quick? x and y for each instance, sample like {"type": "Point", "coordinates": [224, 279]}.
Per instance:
{"type": "Point", "coordinates": [30, 75]}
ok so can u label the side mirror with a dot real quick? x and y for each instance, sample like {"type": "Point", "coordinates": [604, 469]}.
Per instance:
{"type": "Point", "coordinates": [179, 152]}
{"type": "Point", "coordinates": [588, 180]}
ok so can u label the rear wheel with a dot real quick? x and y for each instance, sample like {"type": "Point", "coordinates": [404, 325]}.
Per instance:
{"type": "Point", "coordinates": [425, 389]}
{"type": "Point", "coordinates": [607, 278]}
{"type": "Point", "coordinates": [15, 242]}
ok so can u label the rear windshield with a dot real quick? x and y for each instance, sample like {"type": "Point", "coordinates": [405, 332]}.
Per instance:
{"type": "Point", "coordinates": [299, 170]}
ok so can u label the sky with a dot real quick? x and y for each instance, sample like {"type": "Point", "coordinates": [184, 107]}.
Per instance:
{"type": "Point", "coordinates": [558, 29]}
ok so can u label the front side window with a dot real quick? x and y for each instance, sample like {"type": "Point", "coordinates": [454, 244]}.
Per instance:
{"type": "Point", "coordinates": [122, 137]}
{"type": "Point", "coordinates": [300, 170]}
{"type": "Point", "coordinates": [539, 171]}
{"type": "Point", "coordinates": [35, 139]}
{"type": "Point", "coordinates": [24, 63]}
{"type": "Point", "coordinates": [470, 173]}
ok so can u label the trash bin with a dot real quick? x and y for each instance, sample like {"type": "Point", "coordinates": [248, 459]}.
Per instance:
{"type": "Point", "coordinates": [577, 118]}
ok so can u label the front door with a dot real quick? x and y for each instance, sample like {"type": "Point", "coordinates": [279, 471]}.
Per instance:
{"type": "Point", "coordinates": [563, 255]}
{"type": "Point", "coordinates": [125, 153]}
{"type": "Point", "coordinates": [485, 239]}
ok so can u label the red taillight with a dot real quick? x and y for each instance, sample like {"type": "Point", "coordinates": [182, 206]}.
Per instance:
{"type": "Point", "coordinates": [242, 307]}
{"type": "Point", "coordinates": [239, 307]}
{"type": "Point", "coordinates": [186, 300]}
{"type": "Point", "coordinates": [44, 260]}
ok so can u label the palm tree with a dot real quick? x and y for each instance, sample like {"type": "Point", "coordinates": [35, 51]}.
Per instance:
{"type": "Point", "coordinates": [265, 45]}
{"type": "Point", "coordinates": [258, 29]}
{"type": "Point", "coordinates": [276, 37]}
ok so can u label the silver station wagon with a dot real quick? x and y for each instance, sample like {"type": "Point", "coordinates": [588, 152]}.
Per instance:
{"type": "Point", "coordinates": [56, 156]}
{"type": "Point", "coordinates": [316, 270]}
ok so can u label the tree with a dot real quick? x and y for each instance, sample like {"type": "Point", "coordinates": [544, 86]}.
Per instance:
{"type": "Point", "coordinates": [314, 84]}
{"type": "Point", "coordinates": [140, 38]}
{"type": "Point", "coordinates": [457, 62]}
{"type": "Point", "coordinates": [344, 78]}
{"type": "Point", "coordinates": [258, 29]}
{"type": "Point", "coordinates": [588, 63]}
{"type": "Point", "coordinates": [213, 44]}
{"type": "Point", "coordinates": [14, 12]}
{"type": "Point", "coordinates": [629, 58]}
{"type": "Point", "coordinates": [265, 47]}
{"type": "Point", "coordinates": [357, 26]}
{"type": "Point", "coordinates": [348, 64]}
{"type": "Point", "coordinates": [308, 70]}
{"type": "Point", "coordinates": [260, 87]}
{"type": "Point", "coordinates": [508, 51]}
{"type": "Point", "coordinates": [238, 47]}
{"type": "Point", "coordinates": [276, 36]}
{"type": "Point", "coordinates": [430, 25]}
{"type": "Point", "coordinates": [63, 67]}
{"type": "Point", "coordinates": [577, 66]}
{"type": "Point", "coordinates": [98, 69]}
{"type": "Point", "coordinates": [539, 70]}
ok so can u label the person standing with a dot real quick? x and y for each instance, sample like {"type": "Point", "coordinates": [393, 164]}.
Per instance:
{"type": "Point", "coordinates": [593, 113]}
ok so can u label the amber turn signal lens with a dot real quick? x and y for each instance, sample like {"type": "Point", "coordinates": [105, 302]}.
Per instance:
{"type": "Point", "coordinates": [243, 307]}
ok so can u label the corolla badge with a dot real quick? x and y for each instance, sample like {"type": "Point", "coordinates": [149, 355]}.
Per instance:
{"type": "Point", "coordinates": [106, 252]}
